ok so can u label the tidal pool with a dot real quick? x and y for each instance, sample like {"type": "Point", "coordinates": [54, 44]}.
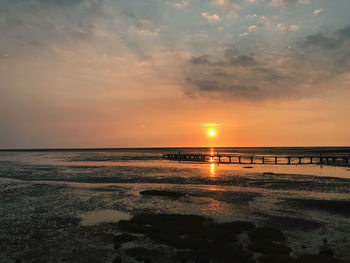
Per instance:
{"type": "Point", "coordinates": [98, 216]}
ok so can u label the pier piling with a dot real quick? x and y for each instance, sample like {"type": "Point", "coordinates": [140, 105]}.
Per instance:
{"type": "Point", "coordinates": [241, 159]}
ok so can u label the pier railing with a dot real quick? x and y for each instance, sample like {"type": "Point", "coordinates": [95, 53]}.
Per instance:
{"type": "Point", "coordinates": [246, 159]}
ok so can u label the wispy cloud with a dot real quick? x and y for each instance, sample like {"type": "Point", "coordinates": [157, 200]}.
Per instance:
{"type": "Point", "coordinates": [145, 32]}
{"type": "Point", "coordinates": [286, 28]}
{"type": "Point", "coordinates": [254, 1]}
{"type": "Point", "coordinates": [229, 6]}
{"type": "Point", "coordinates": [181, 4]}
{"type": "Point", "coordinates": [285, 3]}
{"type": "Point", "coordinates": [305, 2]}
{"type": "Point", "coordinates": [211, 18]}
{"type": "Point", "coordinates": [253, 28]}
{"type": "Point", "coordinates": [244, 34]}
{"type": "Point", "coordinates": [318, 11]}
{"type": "Point", "coordinates": [211, 124]}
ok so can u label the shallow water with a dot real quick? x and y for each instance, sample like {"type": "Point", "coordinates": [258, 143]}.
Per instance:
{"type": "Point", "coordinates": [98, 216]}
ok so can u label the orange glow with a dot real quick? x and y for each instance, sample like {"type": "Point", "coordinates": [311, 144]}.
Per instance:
{"type": "Point", "coordinates": [211, 133]}
{"type": "Point", "coordinates": [211, 151]}
{"type": "Point", "coordinates": [212, 170]}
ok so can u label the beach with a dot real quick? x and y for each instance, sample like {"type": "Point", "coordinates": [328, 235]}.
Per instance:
{"type": "Point", "coordinates": [66, 205]}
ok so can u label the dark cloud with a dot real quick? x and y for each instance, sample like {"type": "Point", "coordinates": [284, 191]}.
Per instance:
{"type": "Point", "coordinates": [333, 41]}
{"type": "Point", "coordinates": [316, 60]}
{"type": "Point", "coordinates": [217, 89]}
{"type": "Point", "coordinates": [34, 23]}
{"type": "Point", "coordinates": [62, 3]}
{"type": "Point", "coordinates": [234, 59]}
{"type": "Point", "coordinates": [319, 40]}
{"type": "Point", "coordinates": [229, 59]}
{"type": "Point", "coordinates": [46, 3]}
{"type": "Point", "coordinates": [201, 59]}
{"type": "Point", "coordinates": [230, 75]}
{"type": "Point", "coordinates": [333, 49]}
{"type": "Point", "coordinates": [344, 32]}
{"type": "Point", "coordinates": [244, 61]}
{"type": "Point", "coordinates": [66, 23]}
{"type": "Point", "coordinates": [269, 74]}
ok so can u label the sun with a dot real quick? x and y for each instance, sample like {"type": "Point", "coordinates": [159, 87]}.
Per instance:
{"type": "Point", "coordinates": [211, 133]}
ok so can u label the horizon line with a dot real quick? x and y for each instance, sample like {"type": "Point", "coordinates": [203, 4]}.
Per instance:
{"type": "Point", "coordinates": [156, 147]}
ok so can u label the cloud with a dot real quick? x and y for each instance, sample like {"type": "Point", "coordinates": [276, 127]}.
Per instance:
{"type": "Point", "coordinates": [264, 21]}
{"type": "Point", "coordinates": [231, 75]}
{"type": "Point", "coordinates": [211, 18]}
{"type": "Point", "coordinates": [321, 41]}
{"type": "Point", "coordinates": [254, 1]}
{"type": "Point", "coordinates": [294, 28]}
{"type": "Point", "coordinates": [242, 60]}
{"type": "Point", "coordinates": [204, 59]}
{"type": "Point", "coordinates": [181, 4]}
{"type": "Point", "coordinates": [145, 32]}
{"type": "Point", "coordinates": [305, 2]}
{"type": "Point", "coordinates": [226, 4]}
{"type": "Point", "coordinates": [62, 3]}
{"type": "Point", "coordinates": [250, 69]}
{"type": "Point", "coordinates": [318, 11]}
{"type": "Point", "coordinates": [129, 13]}
{"type": "Point", "coordinates": [282, 3]}
{"type": "Point", "coordinates": [229, 59]}
{"type": "Point", "coordinates": [287, 73]}
{"type": "Point", "coordinates": [252, 28]}
{"type": "Point", "coordinates": [332, 49]}
{"type": "Point", "coordinates": [215, 89]}
{"type": "Point", "coordinates": [49, 21]}
{"type": "Point", "coordinates": [211, 124]}
{"type": "Point", "coordinates": [285, 3]}
{"type": "Point", "coordinates": [229, 6]}
{"type": "Point", "coordinates": [252, 16]}
{"type": "Point", "coordinates": [286, 28]}
{"type": "Point", "coordinates": [282, 27]}
{"type": "Point", "coordinates": [344, 33]}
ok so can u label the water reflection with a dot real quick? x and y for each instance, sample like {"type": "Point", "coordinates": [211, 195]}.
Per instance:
{"type": "Point", "coordinates": [212, 151]}
{"type": "Point", "coordinates": [212, 170]}
{"type": "Point", "coordinates": [217, 209]}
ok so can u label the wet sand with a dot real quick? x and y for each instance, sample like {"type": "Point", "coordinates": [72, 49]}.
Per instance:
{"type": "Point", "coordinates": [70, 213]}
{"type": "Point", "coordinates": [51, 221]}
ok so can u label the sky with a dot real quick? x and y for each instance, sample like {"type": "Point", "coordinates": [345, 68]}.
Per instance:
{"type": "Point", "coordinates": [163, 73]}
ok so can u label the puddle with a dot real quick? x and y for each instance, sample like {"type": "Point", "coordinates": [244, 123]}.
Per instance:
{"type": "Point", "coordinates": [98, 216]}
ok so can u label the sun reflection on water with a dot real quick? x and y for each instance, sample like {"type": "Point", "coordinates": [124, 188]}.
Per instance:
{"type": "Point", "coordinates": [212, 170]}
{"type": "Point", "coordinates": [212, 151]}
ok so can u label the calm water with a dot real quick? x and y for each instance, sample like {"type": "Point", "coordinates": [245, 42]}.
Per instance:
{"type": "Point", "coordinates": [147, 165]}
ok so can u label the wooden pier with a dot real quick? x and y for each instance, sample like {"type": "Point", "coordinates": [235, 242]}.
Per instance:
{"type": "Point", "coordinates": [257, 159]}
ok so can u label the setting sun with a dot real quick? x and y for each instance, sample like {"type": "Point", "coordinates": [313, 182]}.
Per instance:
{"type": "Point", "coordinates": [211, 133]}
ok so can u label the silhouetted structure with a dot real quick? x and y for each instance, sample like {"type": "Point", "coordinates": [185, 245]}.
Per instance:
{"type": "Point", "coordinates": [244, 159]}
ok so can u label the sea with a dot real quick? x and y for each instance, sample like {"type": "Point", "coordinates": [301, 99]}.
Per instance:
{"type": "Point", "coordinates": [98, 186]}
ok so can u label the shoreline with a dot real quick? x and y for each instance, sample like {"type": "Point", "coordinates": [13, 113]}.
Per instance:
{"type": "Point", "coordinates": [303, 239]}
{"type": "Point", "coordinates": [64, 207]}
